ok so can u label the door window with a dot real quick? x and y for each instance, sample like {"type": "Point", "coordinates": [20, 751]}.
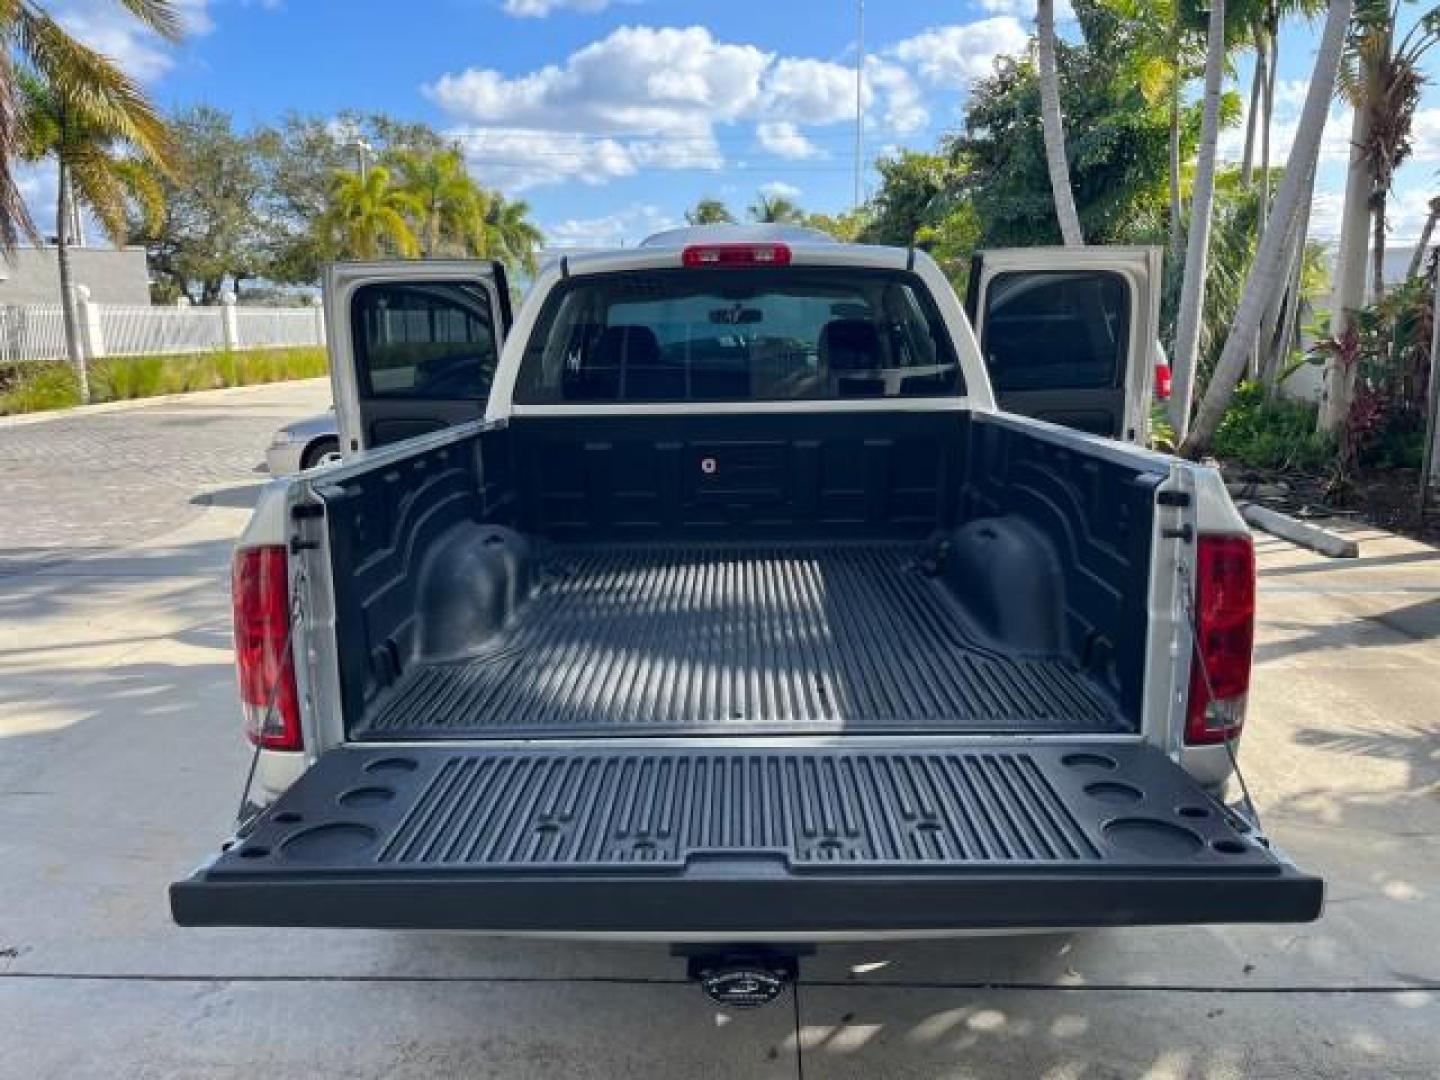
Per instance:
{"type": "Point", "coordinates": [1048, 330]}
{"type": "Point", "coordinates": [424, 340]}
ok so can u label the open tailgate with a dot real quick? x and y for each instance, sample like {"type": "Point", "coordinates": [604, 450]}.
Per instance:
{"type": "Point", "coordinates": [745, 841]}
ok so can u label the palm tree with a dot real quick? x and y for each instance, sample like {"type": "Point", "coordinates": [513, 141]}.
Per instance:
{"type": "Point", "coordinates": [511, 234]}
{"type": "Point", "coordinates": [1386, 81]}
{"type": "Point", "coordinates": [775, 210]}
{"type": "Point", "coordinates": [368, 214]}
{"type": "Point", "coordinates": [1268, 271]}
{"type": "Point", "coordinates": [452, 205]}
{"type": "Point", "coordinates": [1160, 67]}
{"type": "Point", "coordinates": [1197, 245]}
{"type": "Point", "coordinates": [89, 82]}
{"type": "Point", "coordinates": [1054, 126]}
{"type": "Point", "coordinates": [1418, 258]}
{"type": "Point", "coordinates": [709, 212]}
{"type": "Point", "coordinates": [1382, 83]}
{"type": "Point", "coordinates": [97, 169]}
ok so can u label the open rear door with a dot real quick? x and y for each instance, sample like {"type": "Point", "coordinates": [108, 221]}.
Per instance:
{"type": "Point", "coordinates": [413, 345]}
{"type": "Point", "coordinates": [1068, 334]}
{"type": "Point", "coordinates": [745, 843]}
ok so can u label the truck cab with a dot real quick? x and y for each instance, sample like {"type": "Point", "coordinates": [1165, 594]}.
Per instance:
{"type": "Point", "coordinates": [717, 597]}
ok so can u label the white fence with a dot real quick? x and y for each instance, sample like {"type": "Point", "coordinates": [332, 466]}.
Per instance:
{"type": "Point", "coordinates": [37, 332]}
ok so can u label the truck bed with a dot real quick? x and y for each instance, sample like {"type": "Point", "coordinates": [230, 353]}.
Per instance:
{"type": "Point", "coordinates": [685, 639]}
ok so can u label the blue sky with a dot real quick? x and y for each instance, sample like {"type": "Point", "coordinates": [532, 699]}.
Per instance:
{"type": "Point", "coordinates": [612, 116]}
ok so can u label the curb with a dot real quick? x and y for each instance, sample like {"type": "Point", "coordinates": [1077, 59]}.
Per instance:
{"type": "Point", "coordinates": [1319, 540]}
{"type": "Point", "coordinates": [24, 419]}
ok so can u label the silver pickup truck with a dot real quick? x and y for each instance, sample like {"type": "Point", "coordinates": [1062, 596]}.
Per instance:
{"type": "Point", "coordinates": [739, 591]}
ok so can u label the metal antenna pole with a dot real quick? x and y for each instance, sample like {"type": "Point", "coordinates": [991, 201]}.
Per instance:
{"type": "Point", "coordinates": [860, 107]}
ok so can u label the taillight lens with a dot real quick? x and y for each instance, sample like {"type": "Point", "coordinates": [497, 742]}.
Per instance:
{"type": "Point", "coordinates": [261, 596]}
{"type": "Point", "coordinates": [1225, 636]}
{"type": "Point", "coordinates": [736, 255]}
{"type": "Point", "coordinates": [1162, 381]}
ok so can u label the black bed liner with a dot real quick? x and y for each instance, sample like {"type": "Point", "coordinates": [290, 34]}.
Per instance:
{"type": "Point", "coordinates": [745, 840]}
{"type": "Point", "coordinates": [741, 639]}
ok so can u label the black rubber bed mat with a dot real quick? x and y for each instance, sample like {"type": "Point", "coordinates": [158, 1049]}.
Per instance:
{"type": "Point", "coordinates": [691, 640]}
{"type": "Point", "coordinates": [745, 840]}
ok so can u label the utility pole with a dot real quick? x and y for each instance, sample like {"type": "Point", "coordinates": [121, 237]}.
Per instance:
{"type": "Point", "coordinates": [362, 154]}
{"type": "Point", "coordinates": [860, 106]}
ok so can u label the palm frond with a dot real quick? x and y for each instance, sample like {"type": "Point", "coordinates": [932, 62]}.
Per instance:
{"type": "Point", "coordinates": [159, 15]}
{"type": "Point", "coordinates": [92, 86]}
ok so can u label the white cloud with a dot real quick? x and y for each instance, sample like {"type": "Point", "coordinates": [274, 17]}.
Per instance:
{"type": "Point", "coordinates": [1026, 8]}
{"type": "Point", "coordinates": [785, 140]}
{"type": "Point", "coordinates": [1425, 135]}
{"type": "Point", "coordinates": [108, 28]}
{"type": "Point", "coordinates": [1325, 210]}
{"type": "Point", "coordinates": [954, 56]}
{"type": "Point", "coordinates": [778, 189]}
{"type": "Point", "coordinates": [653, 97]}
{"type": "Point", "coordinates": [904, 108]}
{"type": "Point", "coordinates": [626, 226]}
{"type": "Point", "coordinates": [815, 91]}
{"type": "Point", "coordinates": [518, 158]}
{"type": "Point", "coordinates": [1406, 212]}
{"type": "Point", "coordinates": [637, 80]}
{"type": "Point", "coordinates": [538, 9]}
{"type": "Point", "coordinates": [1334, 142]}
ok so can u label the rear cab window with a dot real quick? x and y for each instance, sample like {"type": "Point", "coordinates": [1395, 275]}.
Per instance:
{"type": "Point", "coordinates": [752, 334]}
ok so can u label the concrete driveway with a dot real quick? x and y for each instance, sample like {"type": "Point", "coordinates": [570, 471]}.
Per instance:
{"type": "Point", "coordinates": [121, 762]}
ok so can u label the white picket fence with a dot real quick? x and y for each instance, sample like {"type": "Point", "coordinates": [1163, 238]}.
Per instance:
{"type": "Point", "coordinates": [37, 332]}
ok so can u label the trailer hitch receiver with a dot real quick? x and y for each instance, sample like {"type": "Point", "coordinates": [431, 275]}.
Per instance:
{"type": "Point", "coordinates": [743, 980]}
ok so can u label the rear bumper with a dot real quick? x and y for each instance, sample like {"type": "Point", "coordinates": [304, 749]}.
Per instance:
{"type": "Point", "coordinates": [726, 844]}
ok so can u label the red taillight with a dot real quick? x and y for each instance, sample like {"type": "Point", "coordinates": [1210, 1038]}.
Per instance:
{"type": "Point", "coordinates": [261, 596]}
{"type": "Point", "coordinates": [736, 255]}
{"type": "Point", "coordinates": [1162, 381]}
{"type": "Point", "coordinates": [1225, 635]}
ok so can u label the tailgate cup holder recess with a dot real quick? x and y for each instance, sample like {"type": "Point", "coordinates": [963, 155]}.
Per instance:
{"type": "Point", "coordinates": [1089, 761]}
{"type": "Point", "coordinates": [1114, 792]}
{"type": "Point", "coordinates": [392, 765]}
{"type": "Point", "coordinates": [365, 796]}
{"type": "Point", "coordinates": [333, 841]}
{"type": "Point", "coordinates": [1153, 838]}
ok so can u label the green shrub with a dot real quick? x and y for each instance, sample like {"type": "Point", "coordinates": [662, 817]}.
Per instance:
{"type": "Point", "coordinates": [42, 386]}
{"type": "Point", "coordinates": [124, 378]}
{"type": "Point", "coordinates": [1278, 434]}
{"type": "Point", "coordinates": [37, 386]}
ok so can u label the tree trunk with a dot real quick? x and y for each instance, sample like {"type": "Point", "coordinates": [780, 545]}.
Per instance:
{"type": "Point", "coordinates": [1257, 83]}
{"type": "Point", "coordinates": [1177, 210]}
{"type": "Point", "coordinates": [1417, 259]}
{"type": "Point", "coordinates": [1350, 265]}
{"type": "Point", "coordinates": [1377, 248]}
{"type": "Point", "coordinates": [1430, 452]}
{"type": "Point", "coordinates": [1265, 274]}
{"type": "Point", "coordinates": [1268, 103]}
{"type": "Point", "coordinates": [1054, 127]}
{"type": "Point", "coordinates": [1264, 347]}
{"type": "Point", "coordinates": [1197, 247]}
{"type": "Point", "coordinates": [64, 218]}
{"type": "Point", "coordinates": [1288, 305]}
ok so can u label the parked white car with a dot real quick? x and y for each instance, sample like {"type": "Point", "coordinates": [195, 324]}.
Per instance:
{"type": "Point", "coordinates": [304, 444]}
